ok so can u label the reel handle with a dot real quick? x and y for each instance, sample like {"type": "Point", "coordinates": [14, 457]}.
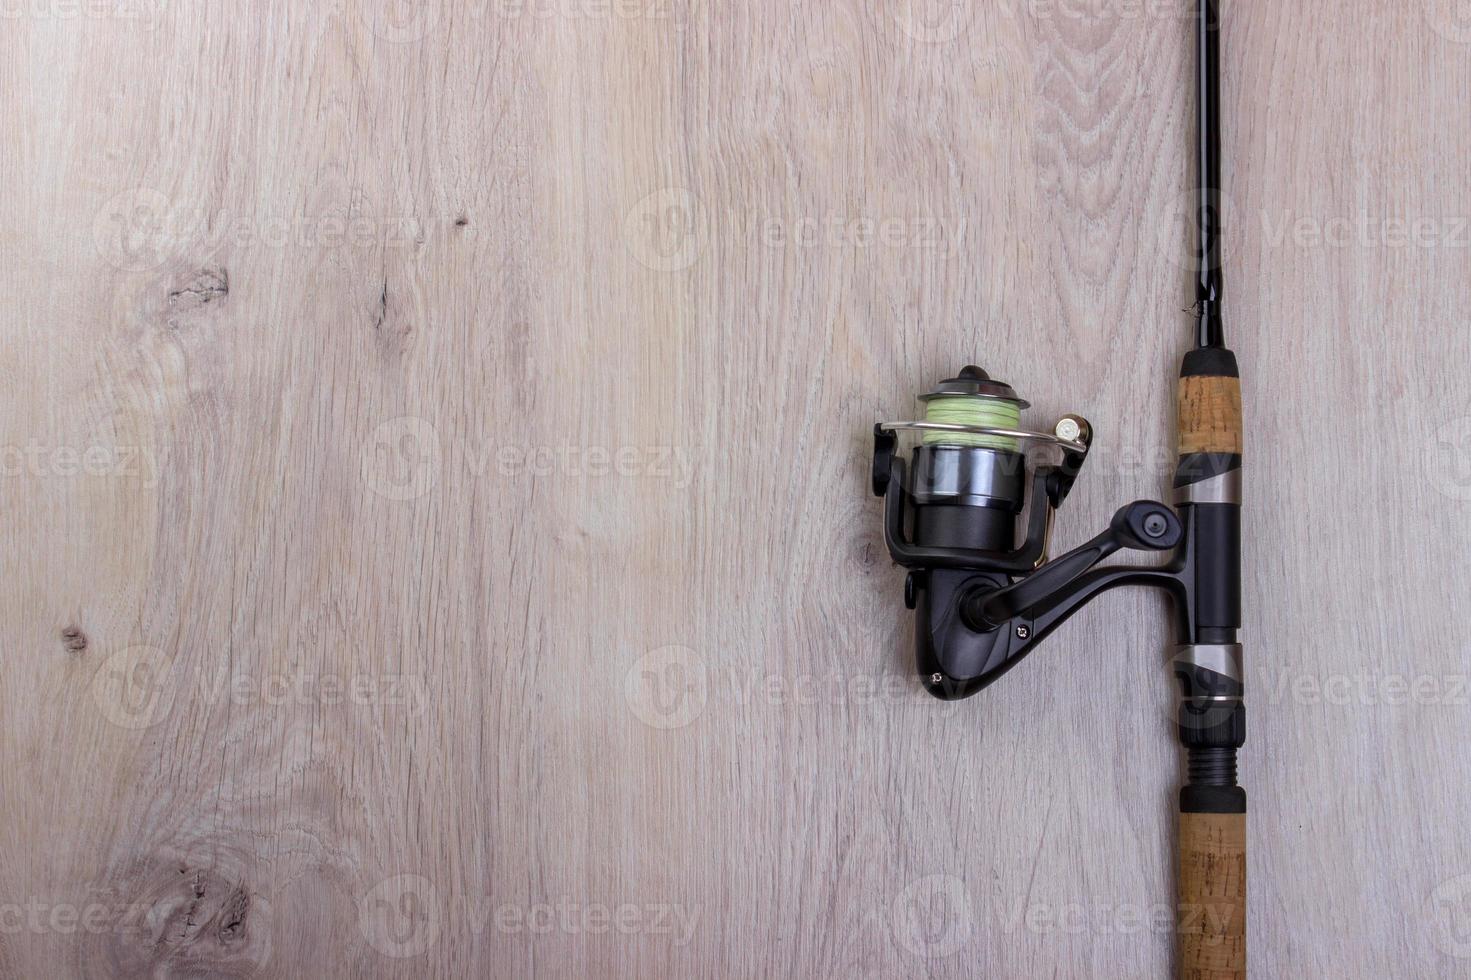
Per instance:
{"type": "Point", "coordinates": [1141, 526]}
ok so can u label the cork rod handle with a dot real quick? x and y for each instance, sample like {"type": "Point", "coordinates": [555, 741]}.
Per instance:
{"type": "Point", "coordinates": [1210, 415]}
{"type": "Point", "coordinates": [1212, 907]}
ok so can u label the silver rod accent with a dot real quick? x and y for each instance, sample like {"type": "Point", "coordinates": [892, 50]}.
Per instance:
{"type": "Point", "coordinates": [1223, 659]}
{"type": "Point", "coordinates": [1223, 489]}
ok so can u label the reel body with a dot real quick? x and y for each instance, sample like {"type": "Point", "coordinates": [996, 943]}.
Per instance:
{"type": "Point", "coordinates": [983, 601]}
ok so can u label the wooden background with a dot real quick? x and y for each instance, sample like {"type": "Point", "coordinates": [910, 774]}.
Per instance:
{"type": "Point", "coordinates": [437, 538]}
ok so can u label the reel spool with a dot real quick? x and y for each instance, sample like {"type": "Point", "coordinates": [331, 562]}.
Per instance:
{"type": "Point", "coordinates": [968, 481]}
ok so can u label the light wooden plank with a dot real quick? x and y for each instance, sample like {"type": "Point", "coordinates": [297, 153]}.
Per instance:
{"type": "Point", "coordinates": [435, 453]}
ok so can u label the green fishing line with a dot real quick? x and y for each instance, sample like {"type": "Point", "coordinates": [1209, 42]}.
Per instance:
{"type": "Point", "coordinates": [963, 410]}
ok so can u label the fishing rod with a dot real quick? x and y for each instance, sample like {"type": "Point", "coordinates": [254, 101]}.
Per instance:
{"type": "Point", "coordinates": [983, 601]}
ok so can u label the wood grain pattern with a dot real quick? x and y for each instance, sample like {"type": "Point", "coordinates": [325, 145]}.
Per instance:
{"type": "Point", "coordinates": [1209, 414]}
{"type": "Point", "coordinates": [1212, 897]}
{"type": "Point", "coordinates": [436, 529]}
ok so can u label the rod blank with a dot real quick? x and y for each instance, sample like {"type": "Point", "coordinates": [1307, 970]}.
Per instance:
{"type": "Point", "coordinates": [1208, 207]}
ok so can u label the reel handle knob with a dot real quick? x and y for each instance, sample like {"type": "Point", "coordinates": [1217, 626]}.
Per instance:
{"type": "Point", "coordinates": [1147, 525]}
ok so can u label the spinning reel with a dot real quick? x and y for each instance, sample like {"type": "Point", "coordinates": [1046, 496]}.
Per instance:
{"type": "Point", "coordinates": [983, 602]}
